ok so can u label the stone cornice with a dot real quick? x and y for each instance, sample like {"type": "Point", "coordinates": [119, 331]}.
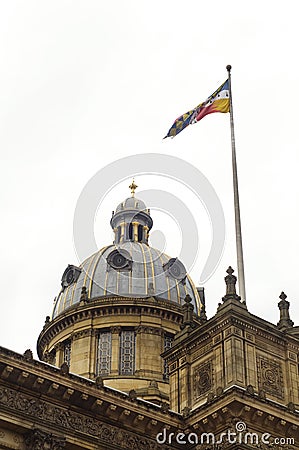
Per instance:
{"type": "Point", "coordinates": [70, 405]}
{"type": "Point", "coordinates": [40, 378]}
{"type": "Point", "coordinates": [109, 306]}
{"type": "Point", "coordinates": [237, 318]}
{"type": "Point", "coordinates": [90, 427]}
{"type": "Point", "coordinates": [236, 402]}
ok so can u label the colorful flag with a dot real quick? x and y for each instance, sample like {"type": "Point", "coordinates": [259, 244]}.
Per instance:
{"type": "Point", "coordinates": [217, 102]}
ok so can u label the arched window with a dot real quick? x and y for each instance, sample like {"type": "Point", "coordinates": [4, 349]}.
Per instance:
{"type": "Point", "coordinates": [104, 353]}
{"type": "Point", "coordinates": [140, 233]}
{"type": "Point", "coordinates": [127, 352]}
{"type": "Point", "coordinates": [131, 232]}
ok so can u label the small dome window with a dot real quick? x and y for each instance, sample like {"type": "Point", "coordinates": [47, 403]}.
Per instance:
{"type": "Point", "coordinates": [175, 269]}
{"type": "Point", "coordinates": [119, 260]}
{"type": "Point", "coordinates": [70, 275]}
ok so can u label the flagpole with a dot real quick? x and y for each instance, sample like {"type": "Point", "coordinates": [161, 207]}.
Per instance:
{"type": "Point", "coordinates": [240, 260]}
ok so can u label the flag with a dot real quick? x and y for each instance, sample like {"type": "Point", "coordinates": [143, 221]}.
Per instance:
{"type": "Point", "coordinates": [217, 102]}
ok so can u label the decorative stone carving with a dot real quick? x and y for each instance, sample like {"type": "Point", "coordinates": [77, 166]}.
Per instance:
{"type": "Point", "coordinates": [292, 406]}
{"type": "Point", "coordinates": [164, 407]}
{"type": "Point", "coordinates": [250, 389]}
{"type": "Point", "coordinates": [115, 330]}
{"type": "Point", "coordinates": [270, 378]}
{"type": "Point", "coordinates": [262, 394]}
{"type": "Point", "coordinates": [39, 440]}
{"type": "Point", "coordinates": [84, 295]}
{"type": "Point", "coordinates": [219, 391]}
{"type": "Point", "coordinates": [82, 334]}
{"type": "Point", "coordinates": [59, 347]}
{"type": "Point", "coordinates": [28, 355]}
{"type": "Point", "coordinates": [210, 397]}
{"type": "Point", "coordinates": [151, 290]}
{"type": "Point", "coordinates": [49, 357]}
{"type": "Point", "coordinates": [64, 369]}
{"type": "Point", "coordinates": [11, 439]}
{"type": "Point", "coordinates": [285, 322]}
{"type": "Point", "coordinates": [173, 366]}
{"type": "Point", "coordinates": [230, 281]}
{"type": "Point", "coordinates": [203, 315]}
{"type": "Point", "coordinates": [149, 330]}
{"type": "Point", "coordinates": [186, 412]}
{"type": "Point", "coordinates": [188, 313]}
{"type": "Point", "coordinates": [202, 379]}
{"type": "Point", "coordinates": [132, 394]}
{"type": "Point", "coordinates": [47, 322]}
{"type": "Point", "coordinates": [61, 417]}
{"type": "Point", "coordinates": [99, 382]}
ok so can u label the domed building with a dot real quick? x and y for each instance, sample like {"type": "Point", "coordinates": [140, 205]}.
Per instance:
{"type": "Point", "coordinates": [120, 309]}
{"type": "Point", "coordinates": [130, 361]}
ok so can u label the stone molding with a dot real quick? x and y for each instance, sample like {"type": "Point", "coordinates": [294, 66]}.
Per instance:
{"type": "Point", "coordinates": [13, 364]}
{"type": "Point", "coordinates": [11, 439]}
{"type": "Point", "coordinates": [110, 306]}
{"type": "Point", "coordinates": [141, 329]}
{"type": "Point", "coordinates": [202, 334]}
{"type": "Point", "coordinates": [245, 407]}
{"type": "Point", "coordinates": [72, 422]}
{"type": "Point", "coordinates": [82, 334]}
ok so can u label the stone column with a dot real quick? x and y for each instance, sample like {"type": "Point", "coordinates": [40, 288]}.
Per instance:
{"type": "Point", "coordinates": [148, 361]}
{"type": "Point", "coordinates": [145, 233]}
{"type": "Point", "coordinates": [59, 349]}
{"type": "Point", "coordinates": [80, 356]}
{"type": "Point", "coordinates": [122, 232]}
{"type": "Point", "coordinates": [184, 382]}
{"type": "Point", "coordinates": [135, 231]}
{"type": "Point", "coordinates": [93, 354]}
{"type": "Point", "coordinates": [115, 332]}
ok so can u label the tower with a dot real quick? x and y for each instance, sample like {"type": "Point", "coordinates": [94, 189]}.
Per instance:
{"type": "Point", "coordinates": [120, 309]}
{"type": "Point", "coordinates": [236, 376]}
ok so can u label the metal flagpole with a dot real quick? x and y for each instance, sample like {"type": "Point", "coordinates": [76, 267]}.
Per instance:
{"type": "Point", "coordinates": [240, 260]}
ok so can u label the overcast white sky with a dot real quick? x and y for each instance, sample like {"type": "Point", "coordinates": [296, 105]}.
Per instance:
{"type": "Point", "coordinates": [86, 83]}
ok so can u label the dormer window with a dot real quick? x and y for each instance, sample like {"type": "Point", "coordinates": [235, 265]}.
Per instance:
{"type": "Point", "coordinates": [119, 260]}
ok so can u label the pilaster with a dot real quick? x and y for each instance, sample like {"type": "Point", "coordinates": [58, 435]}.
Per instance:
{"type": "Point", "coordinates": [115, 349]}
{"type": "Point", "coordinates": [81, 352]}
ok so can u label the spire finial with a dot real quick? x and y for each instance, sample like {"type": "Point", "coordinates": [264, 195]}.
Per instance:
{"type": "Point", "coordinates": [285, 322]}
{"type": "Point", "coordinates": [188, 313]}
{"type": "Point", "coordinates": [230, 281]}
{"type": "Point", "coordinates": [133, 186]}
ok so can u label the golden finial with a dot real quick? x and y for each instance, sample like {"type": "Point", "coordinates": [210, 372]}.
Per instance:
{"type": "Point", "coordinates": [133, 188]}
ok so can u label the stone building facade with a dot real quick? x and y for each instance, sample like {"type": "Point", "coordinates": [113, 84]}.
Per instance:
{"type": "Point", "coordinates": [129, 360]}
